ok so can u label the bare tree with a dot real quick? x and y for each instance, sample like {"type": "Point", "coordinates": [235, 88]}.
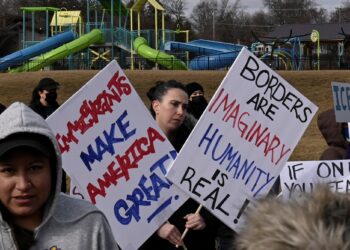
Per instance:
{"type": "Point", "coordinates": [176, 9]}
{"type": "Point", "coordinates": [341, 14]}
{"type": "Point", "coordinates": [294, 11]}
{"type": "Point", "coordinates": [203, 19]}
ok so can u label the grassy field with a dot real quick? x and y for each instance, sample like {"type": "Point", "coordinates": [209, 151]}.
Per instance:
{"type": "Point", "coordinates": [314, 85]}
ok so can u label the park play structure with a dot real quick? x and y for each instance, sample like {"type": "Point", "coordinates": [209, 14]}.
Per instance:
{"type": "Point", "coordinates": [93, 43]}
{"type": "Point", "coordinates": [75, 44]}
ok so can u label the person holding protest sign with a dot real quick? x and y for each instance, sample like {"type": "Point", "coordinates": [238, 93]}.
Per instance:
{"type": "Point", "coordinates": [316, 220]}
{"type": "Point", "coordinates": [197, 102]}
{"type": "Point", "coordinates": [169, 102]}
{"type": "Point", "coordinates": [44, 102]}
{"type": "Point", "coordinates": [196, 106]}
{"type": "Point", "coordinates": [336, 135]}
{"type": "Point", "coordinates": [33, 212]}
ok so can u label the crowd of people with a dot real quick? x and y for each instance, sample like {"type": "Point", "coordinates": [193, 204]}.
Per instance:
{"type": "Point", "coordinates": [35, 212]}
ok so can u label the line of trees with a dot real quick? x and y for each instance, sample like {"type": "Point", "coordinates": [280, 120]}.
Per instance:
{"type": "Point", "coordinates": [223, 20]}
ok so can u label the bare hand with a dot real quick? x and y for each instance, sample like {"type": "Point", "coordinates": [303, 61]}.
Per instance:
{"type": "Point", "coordinates": [169, 232]}
{"type": "Point", "coordinates": [195, 221]}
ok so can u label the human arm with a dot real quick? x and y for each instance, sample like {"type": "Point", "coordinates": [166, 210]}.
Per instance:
{"type": "Point", "coordinates": [169, 232]}
{"type": "Point", "coordinates": [195, 221]}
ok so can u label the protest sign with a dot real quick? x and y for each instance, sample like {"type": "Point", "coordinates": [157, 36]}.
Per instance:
{"type": "Point", "coordinates": [114, 150]}
{"type": "Point", "coordinates": [242, 141]}
{"type": "Point", "coordinates": [303, 176]}
{"type": "Point", "coordinates": [341, 101]}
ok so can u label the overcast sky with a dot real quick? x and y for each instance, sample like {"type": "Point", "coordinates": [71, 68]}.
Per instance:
{"type": "Point", "coordinates": [254, 5]}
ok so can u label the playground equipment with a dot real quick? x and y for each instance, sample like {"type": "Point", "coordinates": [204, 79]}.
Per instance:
{"type": "Point", "coordinates": [35, 50]}
{"type": "Point", "coordinates": [145, 52]}
{"type": "Point", "coordinates": [169, 61]}
{"type": "Point", "coordinates": [95, 36]}
{"type": "Point", "coordinates": [287, 50]}
{"type": "Point", "coordinates": [279, 55]}
{"type": "Point", "coordinates": [210, 54]}
{"type": "Point", "coordinates": [104, 42]}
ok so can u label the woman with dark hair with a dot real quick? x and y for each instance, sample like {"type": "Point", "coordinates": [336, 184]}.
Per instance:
{"type": "Point", "coordinates": [169, 102]}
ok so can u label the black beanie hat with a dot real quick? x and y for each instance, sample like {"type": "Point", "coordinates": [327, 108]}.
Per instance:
{"type": "Point", "coordinates": [48, 84]}
{"type": "Point", "coordinates": [192, 87]}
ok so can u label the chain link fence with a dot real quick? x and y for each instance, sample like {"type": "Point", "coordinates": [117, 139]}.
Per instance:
{"type": "Point", "coordinates": [206, 63]}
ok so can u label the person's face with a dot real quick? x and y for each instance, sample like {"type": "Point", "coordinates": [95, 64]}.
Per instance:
{"type": "Point", "coordinates": [25, 183]}
{"type": "Point", "coordinates": [196, 93]}
{"type": "Point", "coordinates": [171, 110]}
{"type": "Point", "coordinates": [48, 97]}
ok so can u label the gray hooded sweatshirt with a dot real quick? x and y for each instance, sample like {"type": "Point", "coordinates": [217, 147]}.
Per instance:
{"type": "Point", "coordinates": [68, 223]}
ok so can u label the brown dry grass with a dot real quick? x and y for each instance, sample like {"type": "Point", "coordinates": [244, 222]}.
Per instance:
{"type": "Point", "coordinates": [314, 85]}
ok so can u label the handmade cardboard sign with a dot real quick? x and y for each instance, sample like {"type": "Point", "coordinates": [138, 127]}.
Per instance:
{"type": "Point", "coordinates": [118, 156]}
{"type": "Point", "coordinates": [341, 101]}
{"type": "Point", "coordinates": [303, 176]}
{"type": "Point", "coordinates": [242, 141]}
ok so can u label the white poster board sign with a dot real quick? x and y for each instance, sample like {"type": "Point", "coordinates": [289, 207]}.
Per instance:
{"type": "Point", "coordinates": [242, 141]}
{"type": "Point", "coordinates": [341, 101]}
{"type": "Point", "coordinates": [114, 150]}
{"type": "Point", "coordinates": [303, 176]}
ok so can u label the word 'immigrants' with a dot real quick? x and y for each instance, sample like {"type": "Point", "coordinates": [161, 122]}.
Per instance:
{"type": "Point", "coordinates": [90, 111]}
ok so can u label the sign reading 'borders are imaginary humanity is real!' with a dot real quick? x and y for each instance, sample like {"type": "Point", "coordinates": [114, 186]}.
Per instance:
{"type": "Point", "coordinates": [118, 156]}
{"type": "Point", "coordinates": [244, 138]}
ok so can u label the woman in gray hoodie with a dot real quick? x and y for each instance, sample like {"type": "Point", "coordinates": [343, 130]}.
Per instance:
{"type": "Point", "coordinates": [33, 212]}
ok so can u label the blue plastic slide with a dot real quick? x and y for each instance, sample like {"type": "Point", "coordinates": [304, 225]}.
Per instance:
{"type": "Point", "coordinates": [25, 54]}
{"type": "Point", "coordinates": [211, 54]}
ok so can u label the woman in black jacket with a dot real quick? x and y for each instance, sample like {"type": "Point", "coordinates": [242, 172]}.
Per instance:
{"type": "Point", "coordinates": [169, 102]}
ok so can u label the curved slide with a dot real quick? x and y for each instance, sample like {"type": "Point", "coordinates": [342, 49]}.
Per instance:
{"type": "Point", "coordinates": [23, 55]}
{"type": "Point", "coordinates": [211, 54]}
{"type": "Point", "coordinates": [169, 61]}
{"type": "Point", "coordinates": [95, 36]}
{"type": "Point", "coordinates": [212, 62]}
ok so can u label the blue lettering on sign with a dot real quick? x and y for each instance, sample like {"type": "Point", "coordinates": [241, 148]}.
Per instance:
{"type": "Point", "coordinates": [148, 190]}
{"type": "Point", "coordinates": [342, 98]}
{"type": "Point", "coordinates": [253, 176]}
{"type": "Point", "coordinates": [105, 143]}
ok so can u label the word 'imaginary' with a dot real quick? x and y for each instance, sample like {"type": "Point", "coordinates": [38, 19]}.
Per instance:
{"type": "Point", "coordinates": [248, 128]}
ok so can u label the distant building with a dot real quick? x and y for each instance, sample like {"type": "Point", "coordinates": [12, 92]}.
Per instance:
{"type": "Point", "coordinates": [334, 45]}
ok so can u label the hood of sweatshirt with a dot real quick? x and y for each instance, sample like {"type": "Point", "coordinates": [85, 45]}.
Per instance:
{"type": "Point", "coordinates": [320, 220]}
{"type": "Point", "coordinates": [19, 118]}
{"type": "Point", "coordinates": [330, 129]}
